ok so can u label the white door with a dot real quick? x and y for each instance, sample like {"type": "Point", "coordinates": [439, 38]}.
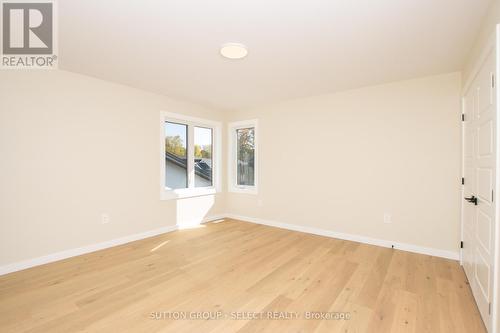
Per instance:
{"type": "Point", "coordinates": [479, 183]}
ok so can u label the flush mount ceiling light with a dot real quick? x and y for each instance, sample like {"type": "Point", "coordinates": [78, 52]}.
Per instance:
{"type": "Point", "coordinates": [233, 51]}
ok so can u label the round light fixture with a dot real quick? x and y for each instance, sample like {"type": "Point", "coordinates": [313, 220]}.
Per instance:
{"type": "Point", "coordinates": [233, 51]}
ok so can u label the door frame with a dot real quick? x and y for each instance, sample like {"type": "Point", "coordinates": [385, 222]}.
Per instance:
{"type": "Point", "coordinates": [496, 269]}
{"type": "Point", "coordinates": [462, 187]}
{"type": "Point", "coordinates": [492, 43]}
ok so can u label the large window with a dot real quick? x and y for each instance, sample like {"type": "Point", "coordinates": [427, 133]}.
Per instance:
{"type": "Point", "coordinates": [243, 165]}
{"type": "Point", "coordinates": [190, 153]}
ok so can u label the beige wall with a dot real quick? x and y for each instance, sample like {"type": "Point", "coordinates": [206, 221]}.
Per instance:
{"type": "Point", "coordinates": [340, 161]}
{"type": "Point", "coordinates": [73, 147]}
{"type": "Point", "coordinates": [486, 32]}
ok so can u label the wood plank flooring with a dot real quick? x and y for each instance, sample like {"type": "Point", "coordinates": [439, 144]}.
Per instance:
{"type": "Point", "coordinates": [240, 274]}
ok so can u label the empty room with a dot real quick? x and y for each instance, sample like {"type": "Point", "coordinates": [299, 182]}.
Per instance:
{"type": "Point", "coordinates": [250, 166]}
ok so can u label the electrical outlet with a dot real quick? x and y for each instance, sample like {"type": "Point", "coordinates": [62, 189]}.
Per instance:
{"type": "Point", "coordinates": [387, 218]}
{"type": "Point", "coordinates": [104, 218]}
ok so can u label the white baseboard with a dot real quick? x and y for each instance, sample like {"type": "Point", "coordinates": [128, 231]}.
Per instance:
{"type": "Point", "coordinates": [14, 267]}
{"type": "Point", "coordinates": [17, 266]}
{"type": "Point", "coordinates": [355, 238]}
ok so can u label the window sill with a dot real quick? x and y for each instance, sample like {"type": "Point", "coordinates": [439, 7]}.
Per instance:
{"type": "Point", "coordinates": [186, 193]}
{"type": "Point", "coordinates": [244, 190]}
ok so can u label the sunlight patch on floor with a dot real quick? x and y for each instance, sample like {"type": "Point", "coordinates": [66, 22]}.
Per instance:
{"type": "Point", "coordinates": [159, 245]}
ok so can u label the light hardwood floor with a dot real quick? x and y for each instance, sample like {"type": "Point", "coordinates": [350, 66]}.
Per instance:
{"type": "Point", "coordinates": [237, 268]}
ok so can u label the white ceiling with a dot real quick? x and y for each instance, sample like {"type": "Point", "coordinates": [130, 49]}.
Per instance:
{"type": "Point", "coordinates": [296, 48]}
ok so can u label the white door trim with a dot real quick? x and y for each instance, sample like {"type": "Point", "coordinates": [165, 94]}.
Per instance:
{"type": "Point", "coordinates": [493, 43]}
{"type": "Point", "coordinates": [462, 192]}
{"type": "Point", "coordinates": [496, 269]}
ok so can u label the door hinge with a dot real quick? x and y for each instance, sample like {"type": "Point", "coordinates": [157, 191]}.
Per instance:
{"type": "Point", "coordinates": [489, 308]}
{"type": "Point", "coordinates": [461, 244]}
{"type": "Point", "coordinates": [493, 80]}
{"type": "Point", "coordinates": [463, 181]}
{"type": "Point", "coordinates": [463, 116]}
{"type": "Point", "coordinates": [492, 196]}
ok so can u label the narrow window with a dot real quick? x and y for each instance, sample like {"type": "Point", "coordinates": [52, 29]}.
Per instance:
{"type": "Point", "coordinates": [176, 174]}
{"type": "Point", "coordinates": [245, 156]}
{"type": "Point", "coordinates": [203, 151]}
